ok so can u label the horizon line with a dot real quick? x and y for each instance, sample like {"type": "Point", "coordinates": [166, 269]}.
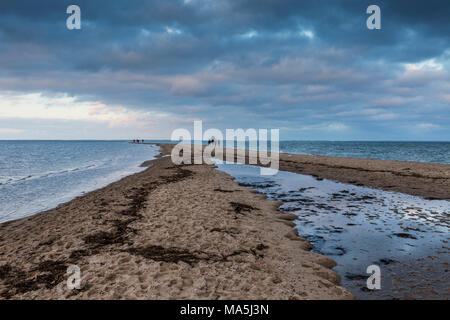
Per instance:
{"type": "Point", "coordinates": [175, 141]}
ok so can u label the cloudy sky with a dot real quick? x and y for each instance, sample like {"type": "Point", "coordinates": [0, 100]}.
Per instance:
{"type": "Point", "coordinates": [144, 68]}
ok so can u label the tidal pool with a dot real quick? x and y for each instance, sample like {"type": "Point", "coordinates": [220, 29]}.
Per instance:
{"type": "Point", "coordinates": [406, 236]}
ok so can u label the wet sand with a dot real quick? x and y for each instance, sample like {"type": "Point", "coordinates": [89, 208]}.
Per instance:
{"type": "Point", "coordinates": [405, 236]}
{"type": "Point", "coordinates": [427, 180]}
{"type": "Point", "coordinates": [169, 232]}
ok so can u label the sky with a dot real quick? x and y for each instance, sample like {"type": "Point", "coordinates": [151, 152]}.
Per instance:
{"type": "Point", "coordinates": [140, 69]}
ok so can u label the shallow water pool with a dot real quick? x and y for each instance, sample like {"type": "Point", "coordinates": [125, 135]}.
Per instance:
{"type": "Point", "coordinates": [406, 236]}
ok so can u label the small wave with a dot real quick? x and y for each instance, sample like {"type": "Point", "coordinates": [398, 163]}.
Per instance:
{"type": "Point", "coordinates": [46, 175]}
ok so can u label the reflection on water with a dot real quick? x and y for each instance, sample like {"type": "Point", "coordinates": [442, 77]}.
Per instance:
{"type": "Point", "coordinates": [405, 235]}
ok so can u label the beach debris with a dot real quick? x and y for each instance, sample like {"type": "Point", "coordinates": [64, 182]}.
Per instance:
{"type": "Point", "coordinates": [159, 253]}
{"type": "Point", "coordinates": [47, 274]}
{"type": "Point", "coordinates": [17, 281]}
{"type": "Point", "coordinates": [353, 276]}
{"type": "Point", "coordinates": [103, 238]}
{"type": "Point", "coordinates": [387, 261]}
{"type": "Point", "coordinates": [224, 191]}
{"type": "Point", "coordinates": [231, 231]}
{"type": "Point", "coordinates": [256, 185]}
{"type": "Point", "coordinates": [52, 272]}
{"type": "Point", "coordinates": [175, 255]}
{"type": "Point", "coordinates": [261, 246]}
{"type": "Point", "coordinates": [405, 235]}
{"type": "Point", "coordinates": [77, 254]}
{"type": "Point", "coordinates": [241, 207]}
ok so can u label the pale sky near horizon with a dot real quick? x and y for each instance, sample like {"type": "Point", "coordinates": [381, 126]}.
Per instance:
{"type": "Point", "coordinates": [142, 69]}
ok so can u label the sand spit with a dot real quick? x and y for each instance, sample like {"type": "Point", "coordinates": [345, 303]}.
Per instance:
{"type": "Point", "coordinates": [169, 232]}
{"type": "Point", "coordinates": [428, 180]}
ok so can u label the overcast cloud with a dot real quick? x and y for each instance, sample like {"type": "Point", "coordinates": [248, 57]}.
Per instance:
{"type": "Point", "coordinates": [144, 68]}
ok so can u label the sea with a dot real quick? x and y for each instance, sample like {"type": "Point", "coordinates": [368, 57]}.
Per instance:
{"type": "Point", "coordinates": [434, 152]}
{"type": "Point", "coordinates": [39, 175]}
{"type": "Point", "coordinates": [406, 236]}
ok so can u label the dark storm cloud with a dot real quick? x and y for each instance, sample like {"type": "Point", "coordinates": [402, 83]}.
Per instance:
{"type": "Point", "coordinates": [296, 64]}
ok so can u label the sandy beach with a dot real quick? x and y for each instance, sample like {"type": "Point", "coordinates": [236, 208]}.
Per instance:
{"type": "Point", "coordinates": [169, 232]}
{"type": "Point", "coordinates": [189, 232]}
{"type": "Point", "coordinates": [114, 120]}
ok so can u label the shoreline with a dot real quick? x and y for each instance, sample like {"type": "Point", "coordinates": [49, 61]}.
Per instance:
{"type": "Point", "coordinates": [59, 172]}
{"type": "Point", "coordinates": [430, 181]}
{"type": "Point", "coordinates": [402, 234]}
{"type": "Point", "coordinates": [168, 232]}
{"type": "Point", "coordinates": [86, 229]}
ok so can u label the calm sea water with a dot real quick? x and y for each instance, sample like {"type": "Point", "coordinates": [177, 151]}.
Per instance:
{"type": "Point", "coordinates": [435, 152]}
{"type": "Point", "coordinates": [39, 175]}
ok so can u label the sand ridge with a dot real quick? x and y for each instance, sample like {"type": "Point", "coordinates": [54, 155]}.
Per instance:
{"type": "Point", "coordinates": [428, 180]}
{"type": "Point", "coordinates": [169, 232]}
